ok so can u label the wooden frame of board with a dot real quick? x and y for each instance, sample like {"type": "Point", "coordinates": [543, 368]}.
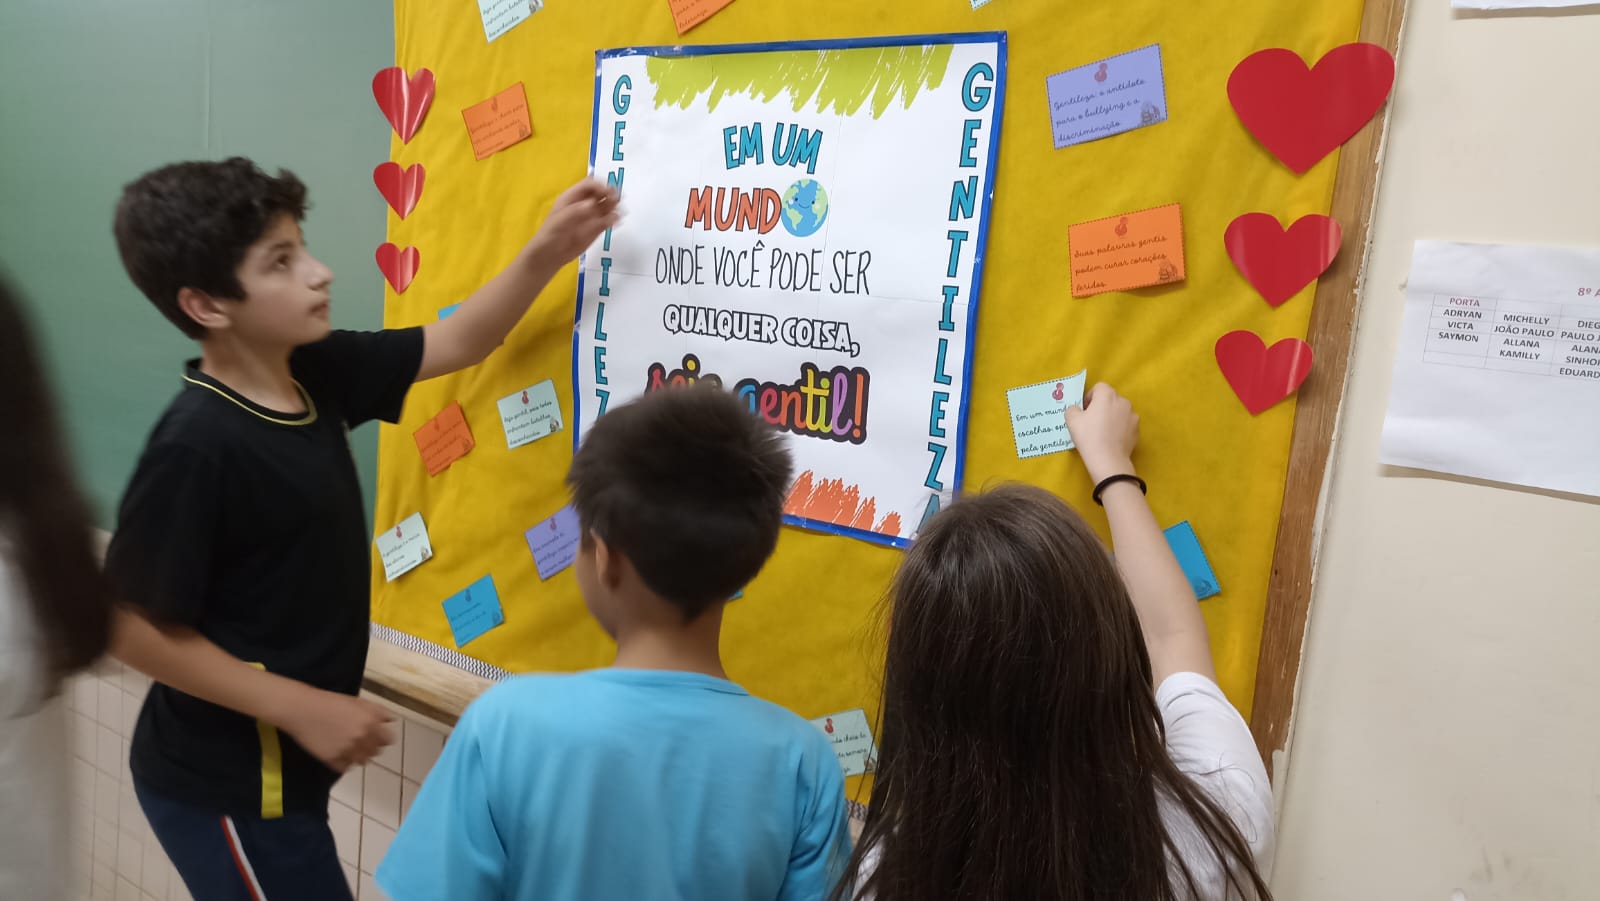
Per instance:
{"type": "Point", "coordinates": [1330, 335]}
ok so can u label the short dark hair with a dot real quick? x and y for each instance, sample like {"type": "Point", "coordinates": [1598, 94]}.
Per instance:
{"type": "Point", "coordinates": [188, 225]}
{"type": "Point", "coordinates": [688, 485]}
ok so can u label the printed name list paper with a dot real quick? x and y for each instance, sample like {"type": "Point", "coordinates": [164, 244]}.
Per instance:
{"type": "Point", "coordinates": [1498, 371]}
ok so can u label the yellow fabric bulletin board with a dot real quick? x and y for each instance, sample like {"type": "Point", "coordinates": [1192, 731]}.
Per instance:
{"type": "Point", "coordinates": [803, 634]}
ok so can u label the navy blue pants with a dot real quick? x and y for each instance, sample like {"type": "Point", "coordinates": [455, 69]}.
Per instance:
{"type": "Point", "coordinates": [247, 858]}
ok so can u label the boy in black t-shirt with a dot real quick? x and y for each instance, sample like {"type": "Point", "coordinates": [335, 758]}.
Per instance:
{"type": "Point", "coordinates": [241, 545]}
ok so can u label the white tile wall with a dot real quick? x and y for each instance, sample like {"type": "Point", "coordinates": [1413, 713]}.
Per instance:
{"type": "Point", "coordinates": [115, 857]}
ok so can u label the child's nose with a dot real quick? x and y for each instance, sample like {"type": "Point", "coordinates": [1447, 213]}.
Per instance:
{"type": "Point", "coordinates": [321, 275]}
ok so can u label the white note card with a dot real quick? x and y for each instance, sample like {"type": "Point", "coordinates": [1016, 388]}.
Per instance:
{"type": "Point", "coordinates": [404, 547]}
{"type": "Point", "coordinates": [530, 414]}
{"type": "Point", "coordinates": [852, 741]}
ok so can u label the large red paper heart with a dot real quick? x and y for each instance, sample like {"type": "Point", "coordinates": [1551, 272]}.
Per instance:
{"type": "Point", "coordinates": [1279, 263]}
{"type": "Point", "coordinates": [399, 266]}
{"type": "Point", "coordinates": [404, 100]}
{"type": "Point", "coordinates": [1260, 375]}
{"type": "Point", "coordinates": [401, 187]}
{"type": "Point", "coordinates": [1302, 114]}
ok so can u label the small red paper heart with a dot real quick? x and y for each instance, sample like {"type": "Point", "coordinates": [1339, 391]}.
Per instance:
{"type": "Point", "coordinates": [402, 188]}
{"type": "Point", "coordinates": [1278, 263]}
{"type": "Point", "coordinates": [404, 100]}
{"type": "Point", "coordinates": [1260, 375]}
{"type": "Point", "coordinates": [398, 266]}
{"type": "Point", "coordinates": [1302, 114]}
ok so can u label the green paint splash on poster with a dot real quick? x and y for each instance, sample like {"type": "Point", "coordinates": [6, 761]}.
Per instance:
{"type": "Point", "coordinates": [838, 80]}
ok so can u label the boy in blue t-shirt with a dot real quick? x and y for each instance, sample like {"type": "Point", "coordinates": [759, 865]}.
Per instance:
{"type": "Point", "coordinates": [657, 778]}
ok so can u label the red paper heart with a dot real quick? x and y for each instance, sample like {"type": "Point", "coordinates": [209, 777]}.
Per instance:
{"type": "Point", "coordinates": [1302, 114]}
{"type": "Point", "coordinates": [404, 101]}
{"type": "Point", "coordinates": [401, 187]}
{"type": "Point", "coordinates": [1260, 375]}
{"type": "Point", "coordinates": [1279, 263]}
{"type": "Point", "coordinates": [399, 266]}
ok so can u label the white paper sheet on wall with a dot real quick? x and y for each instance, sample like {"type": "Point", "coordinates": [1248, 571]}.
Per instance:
{"type": "Point", "coordinates": [1522, 4]}
{"type": "Point", "coordinates": [1498, 371]}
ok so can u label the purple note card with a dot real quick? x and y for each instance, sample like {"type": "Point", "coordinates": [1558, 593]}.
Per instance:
{"type": "Point", "coordinates": [554, 542]}
{"type": "Point", "coordinates": [1108, 97]}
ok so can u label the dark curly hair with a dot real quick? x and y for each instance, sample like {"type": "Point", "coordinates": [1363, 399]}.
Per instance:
{"type": "Point", "coordinates": [188, 225]}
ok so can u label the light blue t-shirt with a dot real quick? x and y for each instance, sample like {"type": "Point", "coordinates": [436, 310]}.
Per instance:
{"type": "Point", "coordinates": [630, 785]}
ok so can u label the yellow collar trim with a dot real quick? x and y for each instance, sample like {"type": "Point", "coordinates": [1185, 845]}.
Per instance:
{"type": "Point", "coordinates": [307, 418]}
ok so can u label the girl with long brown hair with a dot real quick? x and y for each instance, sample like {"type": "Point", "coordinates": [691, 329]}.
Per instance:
{"type": "Point", "coordinates": [55, 615]}
{"type": "Point", "coordinates": [1052, 727]}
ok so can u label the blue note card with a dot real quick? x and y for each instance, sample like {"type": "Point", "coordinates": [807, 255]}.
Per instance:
{"type": "Point", "coordinates": [554, 542]}
{"type": "Point", "coordinates": [1193, 560]}
{"type": "Point", "coordinates": [473, 611]}
{"type": "Point", "coordinates": [1038, 425]}
{"type": "Point", "coordinates": [444, 312]}
{"type": "Point", "coordinates": [1108, 97]}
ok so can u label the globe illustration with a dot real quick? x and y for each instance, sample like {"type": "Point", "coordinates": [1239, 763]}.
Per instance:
{"type": "Point", "coordinates": [805, 208]}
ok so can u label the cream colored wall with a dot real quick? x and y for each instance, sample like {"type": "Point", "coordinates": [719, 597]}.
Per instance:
{"type": "Point", "coordinates": [1447, 738]}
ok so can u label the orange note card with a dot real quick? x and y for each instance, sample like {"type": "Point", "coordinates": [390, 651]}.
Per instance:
{"type": "Point", "coordinates": [689, 13]}
{"type": "Point", "coordinates": [444, 439]}
{"type": "Point", "coordinates": [498, 122]}
{"type": "Point", "coordinates": [1123, 252]}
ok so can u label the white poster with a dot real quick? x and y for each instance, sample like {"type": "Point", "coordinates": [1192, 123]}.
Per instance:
{"type": "Point", "coordinates": [805, 225]}
{"type": "Point", "coordinates": [1498, 371]}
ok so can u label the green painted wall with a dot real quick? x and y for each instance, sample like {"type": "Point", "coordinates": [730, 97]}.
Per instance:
{"type": "Point", "coordinates": [95, 92]}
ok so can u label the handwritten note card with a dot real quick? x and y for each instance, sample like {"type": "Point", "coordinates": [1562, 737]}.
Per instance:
{"type": "Point", "coordinates": [498, 122]}
{"type": "Point", "coordinates": [1119, 253]}
{"type": "Point", "coordinates": [852, 741]}
{"type": "Point", "coordinates": [444, 439]}
{"type": "Point", "coordinates": [404, 547]}
{"type": "Point", "coordinates": [530, 414]}
{"type": "Point", "coordinates": [473, 611]}
{"type": "Point", "coordinates": [686, 14]}
{"type": "Point", "coordinates": [1186, 547]}
{"type": "Point", "coordinates": [500, 16]}
{"type": "Point", "coordinates": [554, 542]}
{"type": "Point", "coordinates": [1038, 425]}
{"type": "Point", "coordinates": [1107, 97]}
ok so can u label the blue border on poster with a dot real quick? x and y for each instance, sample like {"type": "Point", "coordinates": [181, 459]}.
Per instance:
{"type": "Point", "coordinates": [998, 38]}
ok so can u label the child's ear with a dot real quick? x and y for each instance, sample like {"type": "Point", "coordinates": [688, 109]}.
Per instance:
{"type": "Point", "coordinates": [208, 311]}
{"type": "Point", "coordinates": [608, 564]}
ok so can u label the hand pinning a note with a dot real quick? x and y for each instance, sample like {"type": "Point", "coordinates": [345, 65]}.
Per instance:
{"type": "Point", "coordinates": [1038, 414]}
{"type": "Point", "coordinates": [1120, 253]}
{"type": "Point", "coordinates": [444, 439]}
{"type": "Point", "coordinates": [498, 122]}
{"type": "Point", "coordinates": [1107, 97]}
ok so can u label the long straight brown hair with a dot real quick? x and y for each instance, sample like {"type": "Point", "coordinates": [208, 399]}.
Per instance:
{"type": "Point", "coordinates": [43, 515]}
{"type": "Point", "coordinates": [1021, 753]}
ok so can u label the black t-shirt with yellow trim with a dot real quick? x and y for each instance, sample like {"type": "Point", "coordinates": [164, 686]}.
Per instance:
{"type": "Point", "coordinates": [247, 525]}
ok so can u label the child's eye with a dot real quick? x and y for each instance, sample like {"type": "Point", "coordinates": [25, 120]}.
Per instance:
{"type": "Point", "coordinates": [280, 263]}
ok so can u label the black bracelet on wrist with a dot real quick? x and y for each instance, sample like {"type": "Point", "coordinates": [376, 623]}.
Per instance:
{"type": "Point", "coordinates": [1108, 481]}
